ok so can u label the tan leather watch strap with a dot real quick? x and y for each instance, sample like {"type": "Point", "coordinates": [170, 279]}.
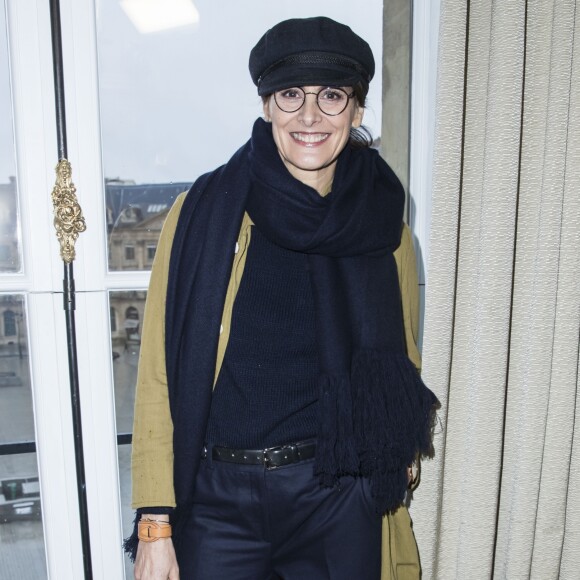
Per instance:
{"type": "Point", "coordinates": [151, 531]}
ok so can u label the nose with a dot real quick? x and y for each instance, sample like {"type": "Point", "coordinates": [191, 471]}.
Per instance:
{"type": "Point", "coordinates": [310, 113]}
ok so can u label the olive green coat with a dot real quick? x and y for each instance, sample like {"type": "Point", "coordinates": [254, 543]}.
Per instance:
{"type": "Point", "coordinates": [152, 455]}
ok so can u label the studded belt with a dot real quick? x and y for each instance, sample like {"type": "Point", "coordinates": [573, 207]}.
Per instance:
{"type": "Point", "coordinates": [270, 458]}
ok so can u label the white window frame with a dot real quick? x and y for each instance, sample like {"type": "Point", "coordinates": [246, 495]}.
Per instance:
{"type": "Point", "coordinates": [425, 38]}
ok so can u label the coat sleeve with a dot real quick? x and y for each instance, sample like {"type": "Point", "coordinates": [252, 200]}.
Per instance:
{"type": "Point", "coordinates": [400, 555]}
{"type": "Point", "coordinates": [152, 453]}
{"type": "Point", "coordinates": [409, 284]}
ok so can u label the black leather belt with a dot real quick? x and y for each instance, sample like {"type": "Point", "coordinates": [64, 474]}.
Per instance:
{"type": "Point", "coordinates": [270, 458]}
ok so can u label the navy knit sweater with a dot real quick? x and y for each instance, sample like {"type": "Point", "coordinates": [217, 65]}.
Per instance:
{"type": "Point", "coordinates": [266, 391]}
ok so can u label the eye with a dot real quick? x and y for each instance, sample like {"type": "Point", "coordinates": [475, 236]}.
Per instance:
{"type": "Point", "coordinates": [332, 95]}
{"type": "Point", "coordinates": [290, 94]}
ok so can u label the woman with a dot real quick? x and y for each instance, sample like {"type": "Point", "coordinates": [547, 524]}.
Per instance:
{"type": "Point", "coordinates": [277, 412]}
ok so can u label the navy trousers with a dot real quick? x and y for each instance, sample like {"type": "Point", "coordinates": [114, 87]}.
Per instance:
{"type": "Point", "coordinates": [250, 523]}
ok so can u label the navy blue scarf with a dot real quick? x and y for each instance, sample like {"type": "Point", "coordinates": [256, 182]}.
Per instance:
{"type": "Point", "coordinates": [375, 412]}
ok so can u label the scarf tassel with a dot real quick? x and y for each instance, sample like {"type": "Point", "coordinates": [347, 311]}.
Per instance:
{"type": "Point", "coordinates": [336, 453]}
{"type": "Point", "coordinates": [131, 543]}
{"type": "Point", "coordinates": [376, 424]}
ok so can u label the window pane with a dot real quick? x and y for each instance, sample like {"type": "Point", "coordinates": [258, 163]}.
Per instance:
{"type": "Point", "coordinates": [135, 215]}
{"type": "Point", "coordinates": [16, 419]}
{"type": "Point", "coordinates": [21, 535]}
{"type": "Point", "coordinates": [10, 248]}
{"type": "Point", "coordinates": [126, 309]}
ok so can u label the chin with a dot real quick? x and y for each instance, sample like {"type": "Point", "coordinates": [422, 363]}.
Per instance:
{"type": "Point", "coordinates": [310, 162]}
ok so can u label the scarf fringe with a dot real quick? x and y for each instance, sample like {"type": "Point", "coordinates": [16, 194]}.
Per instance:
{"type": "Point", "coordinates": [375, 425]}
{"type": "Point", "coordinates": [336, 453]}
{"type": "Point", "coordinates": [131, 543]}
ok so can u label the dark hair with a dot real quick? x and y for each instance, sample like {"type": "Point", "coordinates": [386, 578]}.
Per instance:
{"type": "Point", "coordinates": [360, 137]}
{"type": "Point", "coordinates": [360, 93]}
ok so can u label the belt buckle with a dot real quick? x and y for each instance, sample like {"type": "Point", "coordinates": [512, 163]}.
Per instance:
{"type": "Point", "coordinates": [291, 449]}
{"type": "Point", "coordinates": [267, 460]}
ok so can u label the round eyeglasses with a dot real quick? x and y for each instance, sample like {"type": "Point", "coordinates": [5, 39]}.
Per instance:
{"type": "Point", "coordinates": [331, 101]}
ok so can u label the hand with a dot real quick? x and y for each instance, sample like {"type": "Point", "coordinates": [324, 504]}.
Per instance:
{"type": "Point", "coordinates": [156, 561]}
{"type": "Point", "coordinates": [413, 473]}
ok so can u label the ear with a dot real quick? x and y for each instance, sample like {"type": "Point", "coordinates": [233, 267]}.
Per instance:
{"type": "Point", "coordinates": [357, 119]}
{"type": "Point", "coordinates": [266, 102]}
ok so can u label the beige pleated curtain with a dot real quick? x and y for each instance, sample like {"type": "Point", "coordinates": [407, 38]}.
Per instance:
{"type": "Point", "coordinates": [501, 499]}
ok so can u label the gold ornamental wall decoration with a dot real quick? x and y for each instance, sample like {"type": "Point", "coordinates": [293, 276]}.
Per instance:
{"type": "Point", "coordinates": [68, 216]}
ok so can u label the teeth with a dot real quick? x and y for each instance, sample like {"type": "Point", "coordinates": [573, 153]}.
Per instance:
{"type": "Point", "coordinates": [309, 137]}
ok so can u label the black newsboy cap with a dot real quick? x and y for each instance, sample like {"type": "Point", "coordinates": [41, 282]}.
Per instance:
{"type": "Point", "coordinates": [310, 51]}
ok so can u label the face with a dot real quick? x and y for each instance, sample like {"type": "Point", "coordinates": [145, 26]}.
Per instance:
{"type": "Point", "coordinates": [310, 141]}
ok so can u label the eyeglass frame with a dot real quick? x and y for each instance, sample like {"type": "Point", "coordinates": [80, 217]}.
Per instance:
{"type": "Point", "coordinates": [348, 98]}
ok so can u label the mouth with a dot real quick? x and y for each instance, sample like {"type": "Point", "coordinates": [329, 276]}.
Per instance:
{"type": "Point", "coordinates": [310, 139]}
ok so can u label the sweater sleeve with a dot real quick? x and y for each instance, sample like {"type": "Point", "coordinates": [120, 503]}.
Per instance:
{"type": "Point", "coordinates": [152, 453]}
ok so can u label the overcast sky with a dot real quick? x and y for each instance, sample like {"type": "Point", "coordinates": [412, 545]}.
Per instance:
{"type": "Point", "coordinates": [177, 103]}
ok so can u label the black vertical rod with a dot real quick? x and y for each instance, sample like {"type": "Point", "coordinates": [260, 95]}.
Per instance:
{"type": "Point", "coordinates": [69, 298]}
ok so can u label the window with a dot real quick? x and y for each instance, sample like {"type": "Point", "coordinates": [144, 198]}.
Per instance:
{"type": "Point", "coordinates": [132, 324]}
{"type": "Point", "coordinates": [151, 252]}
{"type": "Point", "coordinates": [132, 313]}
{"type": "Point", "coordinates": [9, 323]}
{"type": "Point", "coordinates": [129, 252]}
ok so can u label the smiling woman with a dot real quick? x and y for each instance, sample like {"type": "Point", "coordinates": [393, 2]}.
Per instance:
{"type": "Point", "coordinates": [273, 373]}
{"type": "Point", "coordinates": [157, 110]}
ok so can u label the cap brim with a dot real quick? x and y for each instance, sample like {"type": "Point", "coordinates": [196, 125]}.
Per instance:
{"type": "Point", "coordinates": [301, 75]}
